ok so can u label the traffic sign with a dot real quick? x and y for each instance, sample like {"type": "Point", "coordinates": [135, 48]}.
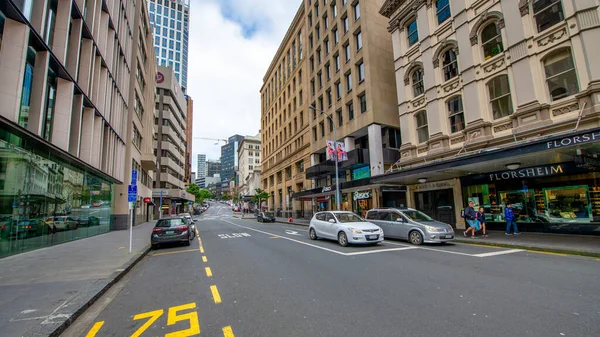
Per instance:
{"type": "Point", "coordinates": [134, 177]}
{"type": "Point", "coordinates": [131, 193]}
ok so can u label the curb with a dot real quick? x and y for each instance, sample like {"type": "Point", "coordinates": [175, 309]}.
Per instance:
{"type": "Point", "coordinates": [84, 300]}
{"type": "Point", "coordinates": [292, 223]}
{"type": "Point", "coordinates": [530, 248]}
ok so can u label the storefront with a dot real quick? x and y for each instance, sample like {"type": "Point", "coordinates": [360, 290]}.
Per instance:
{"type": "Point", "coordinates": [437, 199]}
{"type": "Point", "coordinates": [556, 198]}
{"type": "Point", "coordinates": [394, 196]}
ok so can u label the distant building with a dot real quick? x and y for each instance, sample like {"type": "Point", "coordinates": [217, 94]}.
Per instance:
{"type": "Point", "coordinates": [189, 137]}
{"type": "Point", "coordinates": [249, 165]}
{"type": "Point", "coordinates": [213, 168]}
{"type": "Point", "coordinates": [229, 159]}
{"type": "Point", "coordinates": [201, 171]}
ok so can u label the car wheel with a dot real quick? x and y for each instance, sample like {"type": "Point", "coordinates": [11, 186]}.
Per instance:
{"type": "Point", "coordinates": [342, 239]}
{"type": "Point", "coordinates": [154, 246]}
{"type": "Point", "coordinates": [415, 238]}
{"type": "Point", "coordinates": [312, 234]}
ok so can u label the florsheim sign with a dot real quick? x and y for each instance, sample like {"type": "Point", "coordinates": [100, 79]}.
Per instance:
{"type": "Point", "coordinates": [523, 173]}
{"type": "Point", "coordinates": [588, 137]}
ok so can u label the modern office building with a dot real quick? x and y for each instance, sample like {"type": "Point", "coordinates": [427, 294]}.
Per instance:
{"type": "Point", "coordinates": [139, 153]}
{"type": "Point", "coordinates": [63, 115]}
{"type": "Point", "coordinates": [249, 162]}
{"type": "Point", "coordinates": [229, 160]}
{"type": "Point", "coordinates": [511, 118]}
{"type": "Point", "coordinates": [213, 168]}
{"type": "Point", "coordinates": [189, 139]}
{"type": "Point", "coordinates": [201, 171]}
{"type": "Point", "coordinates": [170, 19]}
{"type": "Point", "coordinates": [349, 69]}
{"type": "Point", "coordinates": [170, 123]}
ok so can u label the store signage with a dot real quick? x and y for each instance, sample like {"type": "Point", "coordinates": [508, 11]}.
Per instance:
{"type": "Point", "coordinates": [160, 77]}
{"type": "Point", "coordinates": [327, 189]}
{"type": "Point", "coordinates": [362, 195]}
{"type": "Point", "coordinates": [531, 172]}
{"type": "Point", "coordinates": [433, 186]}
{"type": "Point", "coordinates": [573, 140]}
{"type": "Point", "coordinates": [147, 200]}
{"type": "Point", "coordinates": [587, 162]}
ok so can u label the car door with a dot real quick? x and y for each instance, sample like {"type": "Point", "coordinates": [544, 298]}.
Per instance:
{"type": "Point", "coordinates": [331, 228]}
{"type": "Point", "coordinates": [395, 225]}
{"type": "Point", "coordinates": [376, 218]}
{"type": "Point", "coordinates": [404, 226]}
{"type": "Point", "coordinates": [319, 224]}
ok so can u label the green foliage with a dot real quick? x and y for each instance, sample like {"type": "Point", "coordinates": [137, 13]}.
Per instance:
{"type": "Point", "coordinates": [260, 195]}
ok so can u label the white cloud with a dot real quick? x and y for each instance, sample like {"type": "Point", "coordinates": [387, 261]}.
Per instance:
{"type": "Point", "coordinates": [226, 69]}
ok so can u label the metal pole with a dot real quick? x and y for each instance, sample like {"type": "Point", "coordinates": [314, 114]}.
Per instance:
{"type": "Point", "coordinates": [130, 227]}
{"type": "Point", "coordinates": [160, 206]}
{"type": "Point", "coordinates": [337, 181]}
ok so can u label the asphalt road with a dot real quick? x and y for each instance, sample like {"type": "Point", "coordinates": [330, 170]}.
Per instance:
{"type": "Point", "coordinates": [272, 280]}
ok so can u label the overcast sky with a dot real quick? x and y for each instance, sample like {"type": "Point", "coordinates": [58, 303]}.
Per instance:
{"type": "Point", "coordinates": [232, 43]}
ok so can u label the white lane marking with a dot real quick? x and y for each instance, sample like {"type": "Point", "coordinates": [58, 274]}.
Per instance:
{"type": "Point", "coordinates": [433, 249]}
{"type": "Point", "coordinates": [397, 244]}
{"type": "Point", "coordinates": [290, 232]}
{"type": "Point", "coordinates": [286, 238]}
{"type": "Point", "coordinates": [502, 252]}
{"type": "Point", "coordinates": [380, 251]}
{"type": "Point", "coordinates": [26, 319]}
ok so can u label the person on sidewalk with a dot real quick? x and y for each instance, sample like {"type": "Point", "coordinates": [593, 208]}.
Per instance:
{"type": "Point", "coordinates": [480, 216]}
{"type": "Point", "coordinates": [471, 217]}
{"type": "Point", "coordinates": [509, 216]}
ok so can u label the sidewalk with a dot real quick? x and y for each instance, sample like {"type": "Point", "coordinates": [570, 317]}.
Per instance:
{"type": "Point", "coordinates": [557, 243]}
{"type": "Point", "coordinates": [43, 291]}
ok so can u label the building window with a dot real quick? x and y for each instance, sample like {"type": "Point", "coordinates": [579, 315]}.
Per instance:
{"type": "Point", "coordinates": [340, 117]}
{"type": "Point", "coordinates": [322, 126]}
{"type": "Point", "coordinates": [500, 97]}
{"type": "Point", "coordinates": [327, 48]}
{"type": "Point", "coordinates": [312, 64]}
{"type": "Point", "coordinates": [358, 41]}
{"type": "Point", "coordinates": [363, 103]}
{"type": "Point", "coordinates": [417, 82]}
{"type": "Point", "coordinates": [345, 20]}
{"type": "Point", "coordinates": [560, 75]}
{"type": "Point", "coordinates": [413, 34]}
{"type": "Point", "coordinates": [48, 115]}
{"type": "Point", "coordinates": [456, 114]}
{"type": "Point", "coordinates": [328, 71]}
{"type": "Point", "coordinates": [137, 138]}
{"type": "Point", "coordinates": [310, 19]}
{"type": "Point", "coordinates": [334, 9]}
{"type": "Point", "coordinates": [27, 87]}
{"type": "Point", "coordinates": [330, 125]}
{"type": "Point", "coordinates": [329, 98]}
{"type": "Point", "coordinates": [442, 10]}
{"type": "Point", "coordinates": [356, 11]}
{"type": "Point", "coordinates": [350, 107]}
{"type": "Point", "coordinates": [547, 13]}
{"type": "Point", "coordinates": [325, 21]}
{"type": "Point", "coordinates": [338, 90]}
{"type": "Point", "coordinates": [491, 40]}
{"type": "Point", "coordinates": [336, 38]}
{"type": "Point", "coordinates": [361, 71]}
{"type": "Point", "coordinates": [314, 129]}
{"type": "Point", "coordinates": [450, 64]}
{"type": "Point", "coordinates": [349, 82]}
{"type": "Point", "coordinates": [312, 87]}
{"type": "Point", "coordinates": [337, 62]}
{"type": "Point", "coordinates": [50, 22]}
{"type": "Point", "coordinates": [422, 129]}
{"type": "Point", "coordinates": [347, 52]}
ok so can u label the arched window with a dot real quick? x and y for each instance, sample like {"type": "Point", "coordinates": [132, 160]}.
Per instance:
{"type": "Point", "coordinates": [422, 128]}
{"type": "Point", "coordinates": [417, 82]}
{"type": "Point", "coordinates": [491, 40]}
{"type": "Point", "coordinates": [547, 13]}
{"type": "Point", "coordinates": [450, 64]}
{"type": "Point", "coordinates": [560, 74]}
{"type": "Point", "coordinates": [500, 98]}
{"type": "Point", "coordinates": [456, 114]}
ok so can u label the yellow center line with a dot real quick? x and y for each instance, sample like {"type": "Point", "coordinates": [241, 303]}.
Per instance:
{"type": "Point", "coordinates": [227, 332]}
{"type": "Point", "coordinates": [215, 293]}
{"type": "Point", "coordinates": [476, 245]}
{"type": "Point", "coordinates": [208, 271]}
{"type": "Point", "coordinates": [177, 252]}
{"type": "Point", "coordinates": [96, 327]}
{"type": "Point", "coordinates": [204, 259]}
{"type": "Point", "coordinates": [547, 253]}
{"type": "Point", "coordinates": [201, 249]}
{"type": "Point", "coordinates": [274, 237]}
{"type": "Point", "coordinates": [597, 259]}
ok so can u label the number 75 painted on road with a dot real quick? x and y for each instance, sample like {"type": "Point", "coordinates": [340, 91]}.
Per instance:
{"type": "Point", "coordinates": [172, 318]}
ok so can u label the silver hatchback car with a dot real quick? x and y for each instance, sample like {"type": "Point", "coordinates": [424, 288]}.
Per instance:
{"type": "Point", "coordinates": [410, 224]}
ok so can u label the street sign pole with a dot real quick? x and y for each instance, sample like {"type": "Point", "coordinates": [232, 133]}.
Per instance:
{"type": "Point", "coordinates": [160, 206]}
{"type": "Point", "coordinates": [131, 198]}
{"type": "Point", "coordinates": [131, 227]}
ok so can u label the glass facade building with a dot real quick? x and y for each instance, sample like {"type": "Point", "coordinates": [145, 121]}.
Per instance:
{"type": "Point", "coordinates": [170, 19]}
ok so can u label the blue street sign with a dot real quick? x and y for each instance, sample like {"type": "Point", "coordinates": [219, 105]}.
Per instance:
{"type": "Point", "coordinates": [132, 193]}
{"type": "Point", "coordinates": [133, 177]}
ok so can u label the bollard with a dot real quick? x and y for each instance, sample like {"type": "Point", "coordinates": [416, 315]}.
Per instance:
{"type": "Point", "coordinates": [290, 220]}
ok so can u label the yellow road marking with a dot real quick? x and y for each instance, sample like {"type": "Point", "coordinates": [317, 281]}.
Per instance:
{"type": "Point", "coordinates": [177, 252]}
{"type": "Point", "coordinates": [476, 245]}
{"type": "Point", "coordinates": [121, 247]}
{"type": "Point", "coordinates": [208, 271]}
{"type": "Point", "coordinates": [274, 237]}
{"type": "Point", "coordinates": [94, 330]}
{"type": "Point", "coordinates": [547, 253]}
{"type": "Point", "coordinates": [597, 259]}
{"type": "Point", "coordinates": [215, 293]}
{"type": "Point", "coordinates": [201, 250]}
{"type": "Point", "coordinates": [227, 332]}
{"type": "Point", "coordinates": [204, 259]}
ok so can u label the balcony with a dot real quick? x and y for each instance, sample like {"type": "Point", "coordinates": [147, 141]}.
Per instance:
{"type": "Point", "coordinates": [170, 163]}
{"type": "Point", "coordinates": [148, 162]}
{"type": "Point", "coordinates": [356, 157]}
{"type": "Point", "coordinates": [390, 156]}
{"type": "Point", "coordinates": [320, 170]}
{"type": "Point", "coordinates": [165, 177]}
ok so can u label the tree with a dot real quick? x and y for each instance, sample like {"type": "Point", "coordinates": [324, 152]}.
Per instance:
{"type": "Point", "coordinates": [259, 195]}
{"type": "Point", "coordinates": [204, 194]}
{"type": "Point", "coordinates": [225, 196]}
{"type": "Point", "coordinates": [193, 189]}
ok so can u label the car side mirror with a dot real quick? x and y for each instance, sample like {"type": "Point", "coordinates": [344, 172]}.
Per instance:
{"type": "Point", "coordinates": [331, 221]}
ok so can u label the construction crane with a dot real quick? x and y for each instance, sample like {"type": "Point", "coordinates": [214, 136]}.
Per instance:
{"type": "Point", "coordinates": [214, 139]}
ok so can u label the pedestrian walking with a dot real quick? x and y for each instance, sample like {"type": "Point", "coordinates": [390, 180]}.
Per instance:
{"type": "Point", "coordinates": [471, 217]}
{"type": "Point", "coordinates": [480, 216]}
{"type": "Point", "coordinates": [509, 216]}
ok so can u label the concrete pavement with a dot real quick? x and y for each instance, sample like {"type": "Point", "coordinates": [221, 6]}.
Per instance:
{"type": "Point", "coordinates": [41, 291]}
{"type": "Point", "coordinates": [251, 279]}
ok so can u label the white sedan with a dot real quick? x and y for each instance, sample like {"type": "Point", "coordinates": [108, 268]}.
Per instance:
{"type": "Point", "coordinates": [345, 227]}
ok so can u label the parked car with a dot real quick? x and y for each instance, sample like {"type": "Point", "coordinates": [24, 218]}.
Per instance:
{"type": "Point", "coordinates": [265, 217]}
{"type": "Point", "coordinates": [172, 229]}
{"type": "Point", "coordinates": [345, 227]}
{"type": "Point", "coordinates": [63, 223]}
{"type": "Point", "coordinates": [411, 224]}
{"type": "Point", "coordinates": [88, 220]}
{"type": "Point", "coordinates": [23, 229]}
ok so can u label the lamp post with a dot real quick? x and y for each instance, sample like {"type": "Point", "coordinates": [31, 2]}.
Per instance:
{"type": "Point", "coordinates": [337, 181]}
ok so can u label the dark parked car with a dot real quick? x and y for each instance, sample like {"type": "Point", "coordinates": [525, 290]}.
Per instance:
{"type": "Point", "coordinates": [24, 229]}
{"type": "Point", "coordinates": [88, 220]}
{"type": "Point", "coordinates": [265, 217]}
{"type": "Point", "coordinates": [173, 229]}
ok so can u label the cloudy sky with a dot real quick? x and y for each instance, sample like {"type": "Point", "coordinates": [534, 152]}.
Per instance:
{"type": "Point", "coordinates": [232, 43]}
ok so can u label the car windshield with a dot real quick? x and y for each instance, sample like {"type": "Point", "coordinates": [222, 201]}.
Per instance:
{"type": "Point", "coordinates": [417, 215]}
{"type": "Point", "coordinates": [169, 222]}
{"type": "Point", "coordinates": [269, 214]}
{"type": "Point", "coordinates": [348, 217]}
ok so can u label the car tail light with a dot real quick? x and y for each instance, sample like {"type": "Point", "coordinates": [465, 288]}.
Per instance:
{"type": "Point", "coordinates": [156, 230]}
{"type": "Point", "coordinates": [28, 227]}
{"type": "Point", "coordinates": [182, 228]}
{"type": "Point", "coordinates": [3, 227]}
